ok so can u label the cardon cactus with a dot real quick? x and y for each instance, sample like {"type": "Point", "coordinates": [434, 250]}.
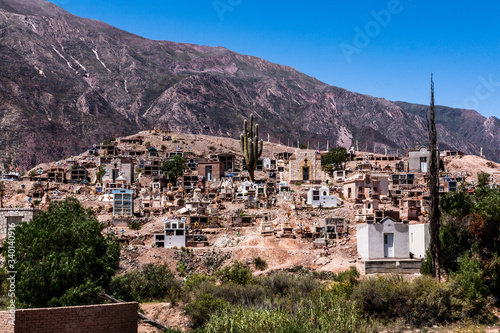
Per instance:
{"type": "Point", "coordinates": [251, 148]}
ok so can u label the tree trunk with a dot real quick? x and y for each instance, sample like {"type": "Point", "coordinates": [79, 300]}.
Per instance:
{"type": "Point", "coordinates": [434, 214]}
{"type": "Point", "coordinates": [251, 173]}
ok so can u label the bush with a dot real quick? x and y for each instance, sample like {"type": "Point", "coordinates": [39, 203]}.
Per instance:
{"type": "Point", "coordinates": [203, 308]}
{"type": "Point", "coordinates": [235, 273]}
{"type": "Point", "coordinates": [212, 148]}
{"type": "Point", "coordinates": [346, 281]}
{"type": "Point", "coordinates": [196, 280]}
{"type": "Point", "coordinates": [382, 297]}
{"type": "Point", "coordinates": [319, 312]}
{"type": "Point", "coordinates": [423, 301]}
{"type": "Point", "coordinates": [134, 225]}
{"type": "Point", "coordinates": [259, 263]}
{"type": "Point", "coordinates": [471, 277]}
{"type": "Point", "coordinates": [248, 294]}
{"type": "Point", "coordinates": [285, 284]}
{"type": "Point", "coordinates": [153, 282]}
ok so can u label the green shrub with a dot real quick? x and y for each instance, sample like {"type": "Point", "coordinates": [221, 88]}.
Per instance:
{"type": "Point", "coordinates": [320, 312]}
{"type": "Point", "coordinates": [247, 294]}
{"type": "Point", "coordinates": [471, 277]}
{"type": "Point", "coordinates": [426, 266]}
{"type": "Point", "coordinates": [195, 280]}
{"type": "Point", "coordinates": [285, 284]}
{"type": "Point", "coordinates": [348, 275]}
{"type": "Point", "coordinates": [259, 263]}
{"type": "Point", "coordinates": [346, 281]}
{"type": "Point", "coordinates": [212, 148]}
{"type": "Point", "coordinates": [153, 282]}
{"type": "Point", "coordinates": [203, 308]}
{"type": "Point", "coordinates": [423, 301]}
{"type": "Point", "coordinates": [235, 273]}
{"type": "Point", "coordinates": [383, 297]}
{"type": "Point", "coordinates": [134, 225]}
{"type": "Point", "coordinates": [4, 284]}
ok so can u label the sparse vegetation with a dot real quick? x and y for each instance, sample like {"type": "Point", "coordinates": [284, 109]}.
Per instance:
{"type": "Point", "coordinates": [153, 282]}
{"type": "Point", "coordinates": [259, 263]}
{"type": "Point", "coordinates": [134, 225]}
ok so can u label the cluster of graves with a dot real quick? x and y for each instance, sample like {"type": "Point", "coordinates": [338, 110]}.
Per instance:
{"type": "Point", "coordinates": [386, 194]}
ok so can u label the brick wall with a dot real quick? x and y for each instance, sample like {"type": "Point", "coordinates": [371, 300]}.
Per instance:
{"type": "Point", "coordinates": [107, 318]}
{"type": "Point", "coordinates": [217, 169]}
{"type": "Point", "coordinates": [5, 327]}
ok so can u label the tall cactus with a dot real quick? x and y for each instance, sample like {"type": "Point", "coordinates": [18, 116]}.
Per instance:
{"type": "Point", "coordinates": [251, 148]}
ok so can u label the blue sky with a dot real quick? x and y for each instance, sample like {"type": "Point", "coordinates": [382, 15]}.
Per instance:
{"type": "Point", "coordinates": [383, 48]}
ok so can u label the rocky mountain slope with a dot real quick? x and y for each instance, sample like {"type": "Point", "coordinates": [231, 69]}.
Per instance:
{"type": "Point", "coordinates": [68, 82]}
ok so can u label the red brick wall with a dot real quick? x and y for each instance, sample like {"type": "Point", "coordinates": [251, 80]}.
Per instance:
{"type": "Point", "coordinates": [107, 318]}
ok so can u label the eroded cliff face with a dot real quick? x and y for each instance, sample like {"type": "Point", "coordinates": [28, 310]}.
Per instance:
{"type": "Point", "coordinates": [68, 82]}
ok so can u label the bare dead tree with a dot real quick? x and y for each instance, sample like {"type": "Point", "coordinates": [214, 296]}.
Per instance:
{"type": "Point", "coordinates": [434, 214]}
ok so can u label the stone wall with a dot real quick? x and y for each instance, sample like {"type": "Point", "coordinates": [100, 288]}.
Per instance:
{"type": "Point", "coordinates": [26, 214]}
{"type": "Point", "coordinates": [303, 158]}
{"type": "Point", "coordinates": [106, 318]}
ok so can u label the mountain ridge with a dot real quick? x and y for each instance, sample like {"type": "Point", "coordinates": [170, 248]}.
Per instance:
{"type": "Point", "coordinates": [68, 82]}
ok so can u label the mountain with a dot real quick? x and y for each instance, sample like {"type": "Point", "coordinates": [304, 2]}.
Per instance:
{"type": "Point", "coordinates": [67, 82]}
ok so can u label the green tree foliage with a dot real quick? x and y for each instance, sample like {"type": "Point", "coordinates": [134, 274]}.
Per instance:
{"type": "Point", "coordinates": [236, 273]}
{"type": "Point", "coordinates": [483, 178]}
{"type": "Point", "coordinates": [63, 258]}
{"type": "Point", "coordinates": [174, 168]}
{"type": "Point", "coordinates": [470, 237]}
{"type": "Point", "coordinates": [334, 159]}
